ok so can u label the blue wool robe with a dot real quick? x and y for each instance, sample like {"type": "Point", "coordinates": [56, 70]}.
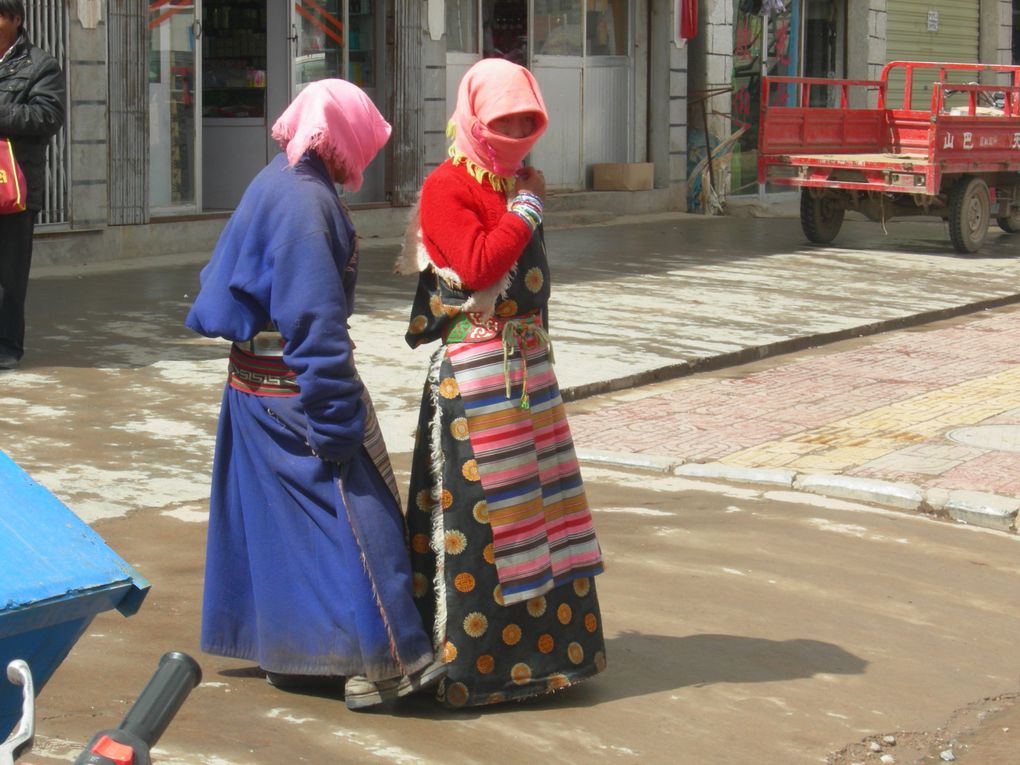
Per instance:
{"type": "Point", "coordinates": [307, 570]}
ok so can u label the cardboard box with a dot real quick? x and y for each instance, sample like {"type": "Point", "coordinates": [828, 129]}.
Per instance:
{"type": "Point", "coordinates": [623, 176]}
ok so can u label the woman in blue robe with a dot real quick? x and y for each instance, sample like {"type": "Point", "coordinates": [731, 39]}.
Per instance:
{"type": "Point", "coordinates": [307, 567]}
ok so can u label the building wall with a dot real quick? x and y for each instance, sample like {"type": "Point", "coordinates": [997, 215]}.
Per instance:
{"type": "Point", "coordinates": [710, 64]}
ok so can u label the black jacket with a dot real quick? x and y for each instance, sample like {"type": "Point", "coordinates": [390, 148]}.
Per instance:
{"type": "Point", "coordinates": [31, 110]}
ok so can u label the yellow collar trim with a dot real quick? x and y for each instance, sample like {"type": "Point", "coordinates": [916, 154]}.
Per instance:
{"type": "Point", "coordinates": [479, 173]}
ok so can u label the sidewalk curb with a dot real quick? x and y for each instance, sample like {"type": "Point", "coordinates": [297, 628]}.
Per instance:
{"type": "Point", "coordinates": [758, 352]}
{"type": "Point", "coordinates": [650, 462]}
{"type": "Point", "coordinates": [769, 476]}
{"type": "Point", "coordinates": [903, 496]}
{"type": "Point", "coordinates": [973, 508]}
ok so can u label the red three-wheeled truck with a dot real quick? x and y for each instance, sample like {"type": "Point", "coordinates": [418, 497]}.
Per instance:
{"type": "Point", "coordinates": [958, 158]}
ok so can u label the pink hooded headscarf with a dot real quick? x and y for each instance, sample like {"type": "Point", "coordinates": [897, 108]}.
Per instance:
{"type": "Point", "coordinates": [491, 89]}
{"type": "Point", "coordinates": [336, 120]}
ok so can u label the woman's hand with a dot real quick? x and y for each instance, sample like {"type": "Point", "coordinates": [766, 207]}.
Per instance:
{"type": "Point", "coordinates": [530, 179]}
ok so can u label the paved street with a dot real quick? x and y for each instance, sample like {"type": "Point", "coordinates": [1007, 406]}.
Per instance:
{"type": "Point", "coordinates": [742, 627]}
{"type": "Point", "coordinates": [916, 419]}
{"type": "Point", "coordinates": [745, 592]}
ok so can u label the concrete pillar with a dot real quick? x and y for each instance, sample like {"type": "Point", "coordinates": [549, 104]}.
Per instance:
{"type": "Point", "coordinates": [87, 99]}
{"type": "Point", "coordinates": [436, 117]}
{"type": "Point", "coordinates": [409, 111]}
{"type": "Point", "coordinates": [710, 68]}
{"type": "Point", "coordinates": [678, 126]}
{"type": "Point", "coordinates": [996, 32]}
{"type": "Point", "coordinates": [659, 103]}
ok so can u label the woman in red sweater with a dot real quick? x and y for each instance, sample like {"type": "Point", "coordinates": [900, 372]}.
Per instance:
{"type": "Point", "coordinates": [503, 548]}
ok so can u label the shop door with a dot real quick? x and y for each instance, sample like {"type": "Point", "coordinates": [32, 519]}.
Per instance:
{"type": "Point", "coordinates": [557, 61]}
{"type": "Point", "coordinates": [234, 98]}
{"type": "Point", "coordinates": [579, 51]}
{"type": "Point", "coordinates": [175, 106]}
{"type": "Point", "coordinates": [609, 111]}
{"type": "Point", "coordinates": [929, 30]}
{"type": "Point", "coordinates": [321, 49]}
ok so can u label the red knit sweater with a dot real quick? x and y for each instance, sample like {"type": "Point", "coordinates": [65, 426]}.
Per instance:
{"type": "Point", "coordinates": [466, 227]}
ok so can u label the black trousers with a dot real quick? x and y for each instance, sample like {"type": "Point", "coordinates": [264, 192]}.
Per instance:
{"type": "Point", "coordinates": [15, 261]}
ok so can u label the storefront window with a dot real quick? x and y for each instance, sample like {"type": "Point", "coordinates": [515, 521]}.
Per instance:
{"type": "Point", "coordinates": [505, 30]}
{"type": "Point", "coordinates": [319, 43]}
{"type": "Point", "coordinates": [234, 61]}
{"type": "Point", "coordinates": [172, 107]}
{"type": "Point", "coordinates": [361, 64]}
{"type": "Point", "coordinates": [607, 28]}
{"type": "Point", "coordinates": [462, 26]}
{"type": "Point", "coordinates": [778, 44]}
{"type": "Point", "coordinates": [558, 28]}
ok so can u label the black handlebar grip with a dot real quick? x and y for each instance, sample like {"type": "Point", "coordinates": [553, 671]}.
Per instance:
{"type": "Point", "coordinates": [177, 675]}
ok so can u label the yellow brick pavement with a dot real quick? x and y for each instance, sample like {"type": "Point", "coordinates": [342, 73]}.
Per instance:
{"type": "Point", "coordinates": [860, 438]}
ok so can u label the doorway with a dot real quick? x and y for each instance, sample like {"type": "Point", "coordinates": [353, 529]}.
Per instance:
{"type": "Point", "coordinates": [222, 71]}
{"type": "Point", "coordinates": [580, 53]}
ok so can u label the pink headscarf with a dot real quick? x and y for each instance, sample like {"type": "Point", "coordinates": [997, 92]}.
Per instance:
{"type": "Point", "coordinates": [337, 121]}
{"type": "Point", "coordinates": [491, 89]}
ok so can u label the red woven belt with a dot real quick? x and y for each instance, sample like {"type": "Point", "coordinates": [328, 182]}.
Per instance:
{"type": "Point", "coordinates": [261, 375]}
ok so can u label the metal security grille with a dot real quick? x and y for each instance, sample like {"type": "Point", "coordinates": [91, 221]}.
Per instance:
{"type": "Point", "coordinates": [47, 26]}
{"type": "Point", "coordinates": [129, 134]}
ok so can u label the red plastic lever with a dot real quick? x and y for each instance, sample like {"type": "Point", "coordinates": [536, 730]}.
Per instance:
{"type": "Point", "coordinates": [114, 751]}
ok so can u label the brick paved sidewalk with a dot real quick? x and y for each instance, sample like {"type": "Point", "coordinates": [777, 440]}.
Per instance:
{"type": "Point", "coordinates": [880, 411]}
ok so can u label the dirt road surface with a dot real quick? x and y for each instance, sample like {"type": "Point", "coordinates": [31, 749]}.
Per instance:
{"type": "Point", "coordinates": [743, 627]}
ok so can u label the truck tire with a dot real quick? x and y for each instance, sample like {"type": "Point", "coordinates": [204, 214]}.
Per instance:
{"type": "Point", "coordinates": [1011, 222]}
{"type": "Point", "coordinates": [820, 218]}
{"type": "Point", "coordinates": [969, 214]}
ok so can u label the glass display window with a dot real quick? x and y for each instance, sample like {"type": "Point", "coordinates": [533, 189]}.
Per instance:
{"type": "Point", "coordinates": [462, 26]}
{"type": "Point", "coordinates": [505, 30]}
{"type": "Point", "coordinates": [319, 42]}
{"type": "Point", "coordinates": [173, 103]}
{"type": "Point", "coordinates": [558, 28]}
{"type": "Point", "coordinates": [606, 27]}
{"type": "Point", "coordinates": [234, 60]}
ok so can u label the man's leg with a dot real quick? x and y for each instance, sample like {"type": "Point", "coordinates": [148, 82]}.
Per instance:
{"type": "Point", "coordinates": [15, 262]}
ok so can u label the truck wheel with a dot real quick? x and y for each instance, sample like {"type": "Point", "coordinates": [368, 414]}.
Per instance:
{"type": "Point", "coordinates": [1011, 222]}
{"type": "Point", "coordinates": [969, 213]}
{"type": "Point", "coordinates": [820, 217]}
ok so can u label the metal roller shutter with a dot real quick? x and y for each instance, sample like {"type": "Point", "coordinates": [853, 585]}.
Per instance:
{"type": "Point", "coordinates": [908, 39]}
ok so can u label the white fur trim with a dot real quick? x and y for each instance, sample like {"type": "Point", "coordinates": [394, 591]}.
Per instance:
{"type": "Point", "coordinates": [438, 529]}
{"type": "Point", "coordinates": [414, 258]}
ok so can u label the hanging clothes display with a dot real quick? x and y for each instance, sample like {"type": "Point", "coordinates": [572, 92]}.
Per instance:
{"type": "Point", "coordinates": [688, 19]}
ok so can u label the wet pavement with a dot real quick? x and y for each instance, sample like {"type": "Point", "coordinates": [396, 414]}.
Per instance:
{"type": "Point", "coordinates": [653, 298]}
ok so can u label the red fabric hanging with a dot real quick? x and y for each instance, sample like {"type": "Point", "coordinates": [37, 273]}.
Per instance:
{"type": "Point", "coordinates": [688, 18]}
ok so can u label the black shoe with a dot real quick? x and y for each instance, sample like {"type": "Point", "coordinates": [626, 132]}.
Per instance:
{"type": "Point", "coordinates": [305, 683]}
{"type": "Point", "coordinates": [8, 360]}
